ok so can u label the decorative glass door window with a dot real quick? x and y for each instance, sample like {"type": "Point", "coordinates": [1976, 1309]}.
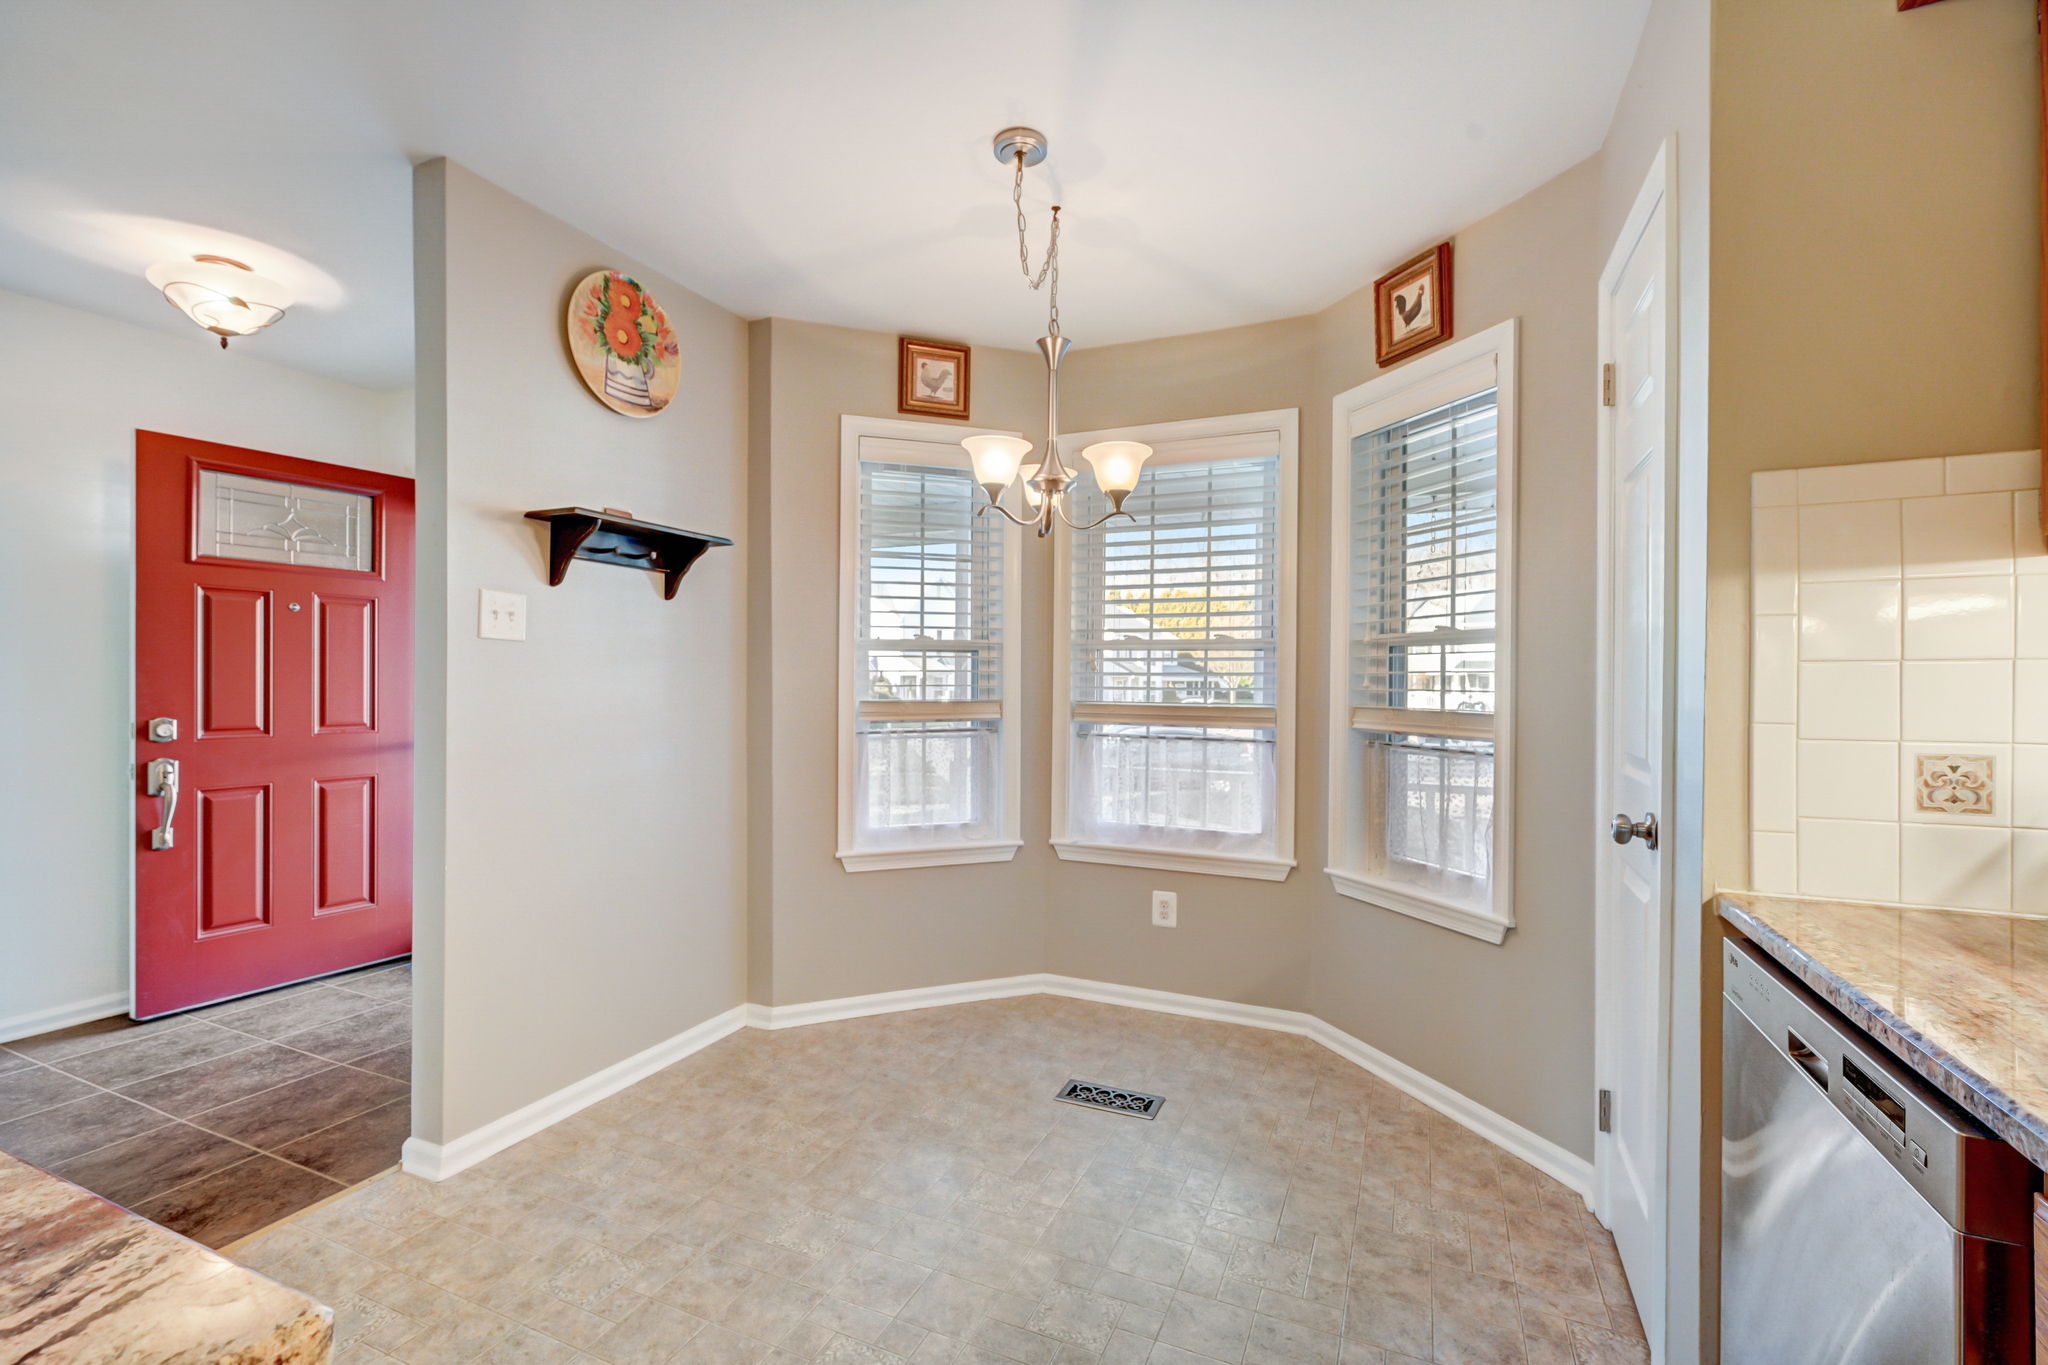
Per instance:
{"type": "Point", "coordinates": [242, 516]}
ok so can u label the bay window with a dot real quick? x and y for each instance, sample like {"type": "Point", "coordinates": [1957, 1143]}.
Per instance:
{"type": "Point", "coordinates": [928, 674]}
{"type": "Point", "coordinates": [1174, 735]}
{"type": "Point", "coordinates": [1422, 578]}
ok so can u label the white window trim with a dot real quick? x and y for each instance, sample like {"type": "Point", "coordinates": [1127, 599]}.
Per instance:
{"type": "Point", "coordinates": [1285, 423]}
{"type": "Point", "coordinates": [1414, 382]}
{"type": "Point", "coordinates": [942, 442]}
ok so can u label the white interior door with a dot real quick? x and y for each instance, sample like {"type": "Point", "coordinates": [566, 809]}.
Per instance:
{"type": "Point", "coordinates": [1633, 895]}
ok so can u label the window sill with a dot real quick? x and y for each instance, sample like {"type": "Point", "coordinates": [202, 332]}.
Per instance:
{"type": "Point", "coordinates": [1406, 901]}
{"type": "Point", "coordinates": [1178, 860]}
{"type": "Point", "coordinates": [951, 855]}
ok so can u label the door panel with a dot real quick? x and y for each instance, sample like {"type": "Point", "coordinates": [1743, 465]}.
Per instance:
{"type": "Point", "coordinates": [345, 843]}
{"type": "Point", "coordinates": [274, 624]}
{"type": "Point", "coordinates": [234, 662]}
{"type": "Point", "coordinates": [234, 858]}
{"type": "Point", "coordinates": [346, 667]}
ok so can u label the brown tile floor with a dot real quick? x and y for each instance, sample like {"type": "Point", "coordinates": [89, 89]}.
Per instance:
{"type": "Point", "coordinates": [220, 1122]}
{"type": "Point", "coordinates": [903, 1188]}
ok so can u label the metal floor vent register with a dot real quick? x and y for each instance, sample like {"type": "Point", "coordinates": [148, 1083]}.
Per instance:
{"type": "Point", "coordinates": [1136, 1103]}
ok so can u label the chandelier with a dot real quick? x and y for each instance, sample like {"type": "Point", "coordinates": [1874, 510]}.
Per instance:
{"type": "Point", "coordinates": [999, 460]}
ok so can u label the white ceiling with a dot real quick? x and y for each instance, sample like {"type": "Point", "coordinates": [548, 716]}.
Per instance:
{"type": "Point", "coordinates": [1220, 161]}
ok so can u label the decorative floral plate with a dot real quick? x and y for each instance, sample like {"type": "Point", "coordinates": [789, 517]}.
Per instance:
{"type": "Point", "coordinates": [622, 344]}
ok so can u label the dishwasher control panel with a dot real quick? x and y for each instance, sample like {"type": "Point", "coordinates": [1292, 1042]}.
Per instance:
{"type": "Point", "coordinates": [1921, 1132]}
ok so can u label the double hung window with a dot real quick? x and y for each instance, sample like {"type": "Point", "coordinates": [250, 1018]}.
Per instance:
{"type": "Point", "coordinates": [928, 742]}
{"type": "Point", "coordinates": [1422, 571]}
{"type": "Point", "coordinates": [1176, 692]}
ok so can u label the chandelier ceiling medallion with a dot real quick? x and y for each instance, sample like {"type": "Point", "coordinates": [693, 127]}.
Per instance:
{"type": "Point", "coordinates": [999, 460]}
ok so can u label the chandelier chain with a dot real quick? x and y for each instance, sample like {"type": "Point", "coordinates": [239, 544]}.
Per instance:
{"type": "Point", "coordinates": [1049, 269]}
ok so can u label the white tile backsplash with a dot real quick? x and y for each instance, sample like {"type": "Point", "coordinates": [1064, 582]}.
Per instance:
{"type": "Point", "coordinates": [1774, 559]}
{"type": "Point", "coordinates": [2030, 629]}
{"type": "Point", "coordinates": [1849, 620]}
{"type": "Point", "coordinates": [1773, 778]}
{"type": "Point", "coordinates": [1849, 701]}
{"type": "Point", "coordinates": [1851, 860]}
{"type": "Point", "coordinates": [1849, 540]}
{"type": "Point", "coordinates": [1958, 534]}
{"type": "Point", "coordinates": [1774, 670]}
{"type": "Point", "coordinates": [1883, 479]}
{"type": "Point", "coordinates": [2008, 469]}
{"type": "Point", "coordinates": [1957, 700]}
{"type": "Point", "coordinates": [1899, 683]}
{"type": "Point", "coordinates": [1959, 618]}
{"type": "Point", "coordinates": [1970, 869]}
{"type": "Point", "coordinates": [1847, 779]}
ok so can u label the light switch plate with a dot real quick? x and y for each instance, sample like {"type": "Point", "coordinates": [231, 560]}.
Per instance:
{"type": "Point", "coordinates": [500, 615]}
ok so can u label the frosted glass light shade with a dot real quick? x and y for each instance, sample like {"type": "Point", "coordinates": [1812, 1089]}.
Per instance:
{"type": "Point", "coordinates": [1117, 464]}
{"type": "Point", "coordinates": [225, 297]}
{"type": "Point", "coordinates": [995, 459]}
{"type": "Point", "coordinates": [1033, 494]}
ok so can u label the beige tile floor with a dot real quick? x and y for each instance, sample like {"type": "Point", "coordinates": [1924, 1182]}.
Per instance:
{"type": "Point", "coordinates": [904, 1188]}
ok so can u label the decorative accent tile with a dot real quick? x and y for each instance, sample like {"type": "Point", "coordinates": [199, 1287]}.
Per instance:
{"type": "Point", "coordinates": [1957, 784]}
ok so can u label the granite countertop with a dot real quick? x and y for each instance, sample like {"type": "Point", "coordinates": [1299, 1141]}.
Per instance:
{"type": "Point", "coordinates": [85, 1282]}
{"type": "Point", "coordinates": [1960, 998]}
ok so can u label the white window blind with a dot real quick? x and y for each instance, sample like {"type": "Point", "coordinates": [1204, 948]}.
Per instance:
{"type": "Point", "coordinates": [928, 659]}
{"type": "Point", "coordinates": [1175, 660]}
{"type": "Point", "coordinates": [1423, 644]}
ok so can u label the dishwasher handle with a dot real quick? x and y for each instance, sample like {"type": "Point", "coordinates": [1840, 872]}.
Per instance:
{"type": "Point", "coordinates": [1812, 1063]}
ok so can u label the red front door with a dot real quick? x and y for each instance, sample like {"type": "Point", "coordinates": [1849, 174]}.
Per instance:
{"type": "Point", "coordinates": [273, 683]}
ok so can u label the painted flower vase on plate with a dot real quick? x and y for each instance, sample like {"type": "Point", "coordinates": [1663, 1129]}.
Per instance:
{"type": "Point", "coordinates": [622, 344]}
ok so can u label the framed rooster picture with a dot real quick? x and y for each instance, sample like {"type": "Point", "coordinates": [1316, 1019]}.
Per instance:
{"type": "Point", "coordinates": [1411, 305]}
{"type": "Point", "coordinates": [931, 378]}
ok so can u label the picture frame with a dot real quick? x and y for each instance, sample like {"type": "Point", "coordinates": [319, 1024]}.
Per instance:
{"type": "Point", "coordinates": [932, 378]}
{"type": "Point", "coordinates": [1411, 306]}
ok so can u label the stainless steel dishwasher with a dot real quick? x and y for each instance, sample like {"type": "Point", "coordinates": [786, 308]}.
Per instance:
{"type": "Point", "coordinates": [1865, 1219]}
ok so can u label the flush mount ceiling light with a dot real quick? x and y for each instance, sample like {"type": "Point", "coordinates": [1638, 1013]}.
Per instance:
{"type": "Point", "coordinates": [999, 460]}
{"type": "Point", "coordinates": [221, 294]}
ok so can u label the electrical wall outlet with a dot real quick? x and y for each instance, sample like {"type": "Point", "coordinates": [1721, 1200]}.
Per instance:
{"type": "Point", "coordinates": [500, 615]}
{"type": "Point", "coordinates": [1165, 909]}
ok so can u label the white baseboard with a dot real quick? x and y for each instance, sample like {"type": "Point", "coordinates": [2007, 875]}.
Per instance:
{"type": "Point", "coordinates": [62, 1016]}
{"type": "Point", "coordinates": [889, 1002]}
{"type": "Point", "coordinates": [438, 1161]}
{"type": "Point", "coordinates": [434, 1161]}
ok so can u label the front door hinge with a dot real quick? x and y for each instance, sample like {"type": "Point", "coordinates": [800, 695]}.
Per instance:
{"type": "Point", "coordinates": [1607, 1111]}
{"type": "Point", "coordinates": [1607, 385]}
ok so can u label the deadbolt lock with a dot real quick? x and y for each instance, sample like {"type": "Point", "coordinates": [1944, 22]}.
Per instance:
{"type": "Point", "coordinates": [163, 729]}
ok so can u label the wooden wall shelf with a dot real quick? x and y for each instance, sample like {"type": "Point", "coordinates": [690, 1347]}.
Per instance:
{"type": "Point", "coordinates": [608, 538]}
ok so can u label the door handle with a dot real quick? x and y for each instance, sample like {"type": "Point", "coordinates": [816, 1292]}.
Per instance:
{"type": "Point", "coordinates": [1625, 829]}
{"type": "Point", "coordinates": [163, 784]}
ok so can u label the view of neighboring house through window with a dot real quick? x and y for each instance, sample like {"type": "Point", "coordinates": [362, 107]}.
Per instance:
{"type": "Point", "coordinates": [928, 667]}
{"type": "Point", "coordinates": [1176, 669]}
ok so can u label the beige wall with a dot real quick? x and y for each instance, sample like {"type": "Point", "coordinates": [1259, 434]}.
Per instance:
{"type": "Point", "coordinates": [1876, 259]}
{"type": "Point", "coordinates": [820, 932]}
{"type": "Point", "coordinates": [67, 468]}
{"type": "Point", "coordinates": [1443, 1002]}
{"type": "Point", "coordinates": [583, 796]}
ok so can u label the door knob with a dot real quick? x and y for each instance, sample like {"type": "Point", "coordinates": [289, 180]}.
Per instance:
{"type": "Point", "coordinates": [1625, 829]}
